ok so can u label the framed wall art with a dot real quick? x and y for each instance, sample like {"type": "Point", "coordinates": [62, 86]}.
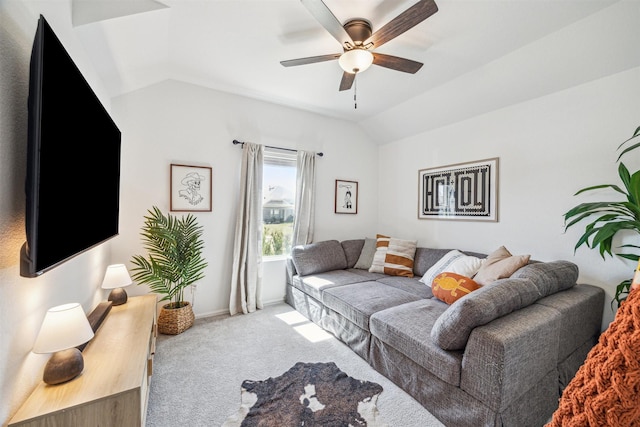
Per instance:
{"type": "Point", "coordinates": [190, 189]}
{"type": "Point", "coordinates": [463, 191]}
{"type": "Point", "coordinates": [346, 201]}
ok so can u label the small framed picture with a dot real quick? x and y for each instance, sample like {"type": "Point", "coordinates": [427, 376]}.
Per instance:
{"type": "Point", "coordinates": [346, 197]}
{"type": "Point", "coordinates": [190, 188]}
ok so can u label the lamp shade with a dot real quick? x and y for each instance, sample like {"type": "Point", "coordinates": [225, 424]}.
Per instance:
{"type": "Point", "coordinates": [116, 276]}
{"type": "Point", "coordinates": [355, 60]}
{"type": "Point", "coordinates": [63, 327]}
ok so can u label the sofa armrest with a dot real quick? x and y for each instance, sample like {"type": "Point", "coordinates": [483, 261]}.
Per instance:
{"type": "Point", "coordinates": [508, 356]}
{"type": "Point", "coordinates": [291, 270]}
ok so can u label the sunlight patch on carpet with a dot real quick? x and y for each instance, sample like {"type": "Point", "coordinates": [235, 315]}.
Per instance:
{"type": "Point", "coordinates": [305, 327]}
{"type": "Point", "coordinates": [313, 332]}
{"type": "Point", "coordinates": [292, 317]}
{"type": "Point", "coordinates": [309, 394]}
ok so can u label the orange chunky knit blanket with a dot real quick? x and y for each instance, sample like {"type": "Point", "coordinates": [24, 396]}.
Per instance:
{"type": "Point", "coordinates": [606, 388]}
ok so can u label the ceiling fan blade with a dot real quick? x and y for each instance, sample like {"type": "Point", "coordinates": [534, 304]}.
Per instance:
{"type": "Point", "coordinates": [310, 60]}
{"type": "Point", "coordinates": [328, 20]}
{"type": "Point", "coordinates": [347, 81]}
{"type": "Point", "coordinates": [396, 63]}
{"type": "Point", "coordinates": [403, 22]}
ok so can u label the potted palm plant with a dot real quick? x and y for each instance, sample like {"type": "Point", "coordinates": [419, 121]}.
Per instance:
{"type": "Point", "coordinates": [612, 217]}
{"type": "Point", "coordinates": [174, 262]}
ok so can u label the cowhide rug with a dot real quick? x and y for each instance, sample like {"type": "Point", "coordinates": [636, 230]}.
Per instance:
{"type": "Point", "coordinates": [309, 395]}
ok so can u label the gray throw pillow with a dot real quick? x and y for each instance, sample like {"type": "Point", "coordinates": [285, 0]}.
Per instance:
{"type": "Point", "coordinates": [366, 256]}
{"type": "Point", "coordinates": [318, 257]}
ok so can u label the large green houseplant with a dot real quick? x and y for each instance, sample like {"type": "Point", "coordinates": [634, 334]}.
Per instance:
{"type": "Point", "coordinates": [612, 217]}
{"type": "Point", "coordinates": [174, 262]}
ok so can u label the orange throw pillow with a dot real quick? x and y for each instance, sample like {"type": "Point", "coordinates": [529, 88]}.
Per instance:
{"type": "Point", "coordinates": [450, 287]}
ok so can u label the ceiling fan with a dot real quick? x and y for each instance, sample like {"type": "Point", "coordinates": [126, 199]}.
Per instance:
{"type": "Point", "coordinates": [358, 41]}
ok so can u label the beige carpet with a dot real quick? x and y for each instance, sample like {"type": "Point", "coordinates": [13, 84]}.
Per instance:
{"type": "Point", "coordinates": [198, 374]}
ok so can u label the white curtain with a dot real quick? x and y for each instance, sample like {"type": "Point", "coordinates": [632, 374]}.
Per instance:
{"type": "Point", "coordinates": [305, 198]}
{"type": "Point", "coordinates": [246, 277]}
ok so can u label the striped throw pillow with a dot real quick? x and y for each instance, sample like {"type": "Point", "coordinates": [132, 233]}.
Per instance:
{"type": "Point", "coordinates": [399, 258]}
{"type": "Point", "coordinates": [382, 243]}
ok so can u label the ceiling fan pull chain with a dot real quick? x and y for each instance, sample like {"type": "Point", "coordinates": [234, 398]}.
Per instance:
{"type": "Point", "coordinates": [355, 91]}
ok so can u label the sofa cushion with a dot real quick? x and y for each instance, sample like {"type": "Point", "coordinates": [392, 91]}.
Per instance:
{"type": "Point", "coordinates": [314, 284]}
{"type": "Point", "coordinates": [450, 287]}
{"type": "Point", "coordinates": [366, 254]}
{"type": "Point", "coordinates": [549, 277]}
{"type": "Point", "coordinates": [452, 329]}
{"type": "Point", "coordinates": [366, 275]}
{"type": "Point", "coordinates": [406, 328]}
{"type": "Point", "coordinates": [352, 249]}
{"type": "Point", "coordinates": [358, 301]}
{"type": "Point", "coordinates": [580, 322]}
{"type": "Point", "coordinates": [318, 257]}
{"type": "Point", "coordinates": [407, 284]}
{"type": "Point", "coordinates": [499, 265]}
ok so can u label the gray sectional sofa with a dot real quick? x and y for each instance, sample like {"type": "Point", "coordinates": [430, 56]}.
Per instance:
{"type": "Point", "coordinates": [499, 356]}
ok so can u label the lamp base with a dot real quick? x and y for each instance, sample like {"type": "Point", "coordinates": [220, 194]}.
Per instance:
{"type": "Point", "coordinates": [63, 366]}
{"type": "Point", "coordinates": [118, 296]}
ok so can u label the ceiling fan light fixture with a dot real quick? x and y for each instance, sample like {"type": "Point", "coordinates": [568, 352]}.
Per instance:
{"type": "Point", "coordinates": [355, 60]}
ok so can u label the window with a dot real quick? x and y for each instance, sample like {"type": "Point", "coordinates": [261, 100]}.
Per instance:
{"type": "Point", "coordinates": [278, 201]}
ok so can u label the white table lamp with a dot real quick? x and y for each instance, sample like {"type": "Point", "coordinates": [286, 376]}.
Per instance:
{"type": "Point", "coordinates": [64, 327]}
{"type": "Point", "coordinates": [116, 278]}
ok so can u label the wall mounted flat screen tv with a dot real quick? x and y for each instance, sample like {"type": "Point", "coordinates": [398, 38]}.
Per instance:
{"type": "Point", "coordinates": [73, 161]}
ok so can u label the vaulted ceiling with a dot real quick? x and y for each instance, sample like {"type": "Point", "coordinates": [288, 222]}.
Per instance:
{"type": "Point", "coordinates": [236, 46]}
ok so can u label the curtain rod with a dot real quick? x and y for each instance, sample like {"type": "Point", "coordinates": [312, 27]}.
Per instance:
{"type": "Point", "coordinates": [236, 142]}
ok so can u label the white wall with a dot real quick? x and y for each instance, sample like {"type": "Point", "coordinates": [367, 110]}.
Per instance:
{"type": "Point", "coordinates": [548, 148]}
{"type": "Point", "coordinates": [24, 302]}
{"type": "Point", "coordinates": [175, 122]}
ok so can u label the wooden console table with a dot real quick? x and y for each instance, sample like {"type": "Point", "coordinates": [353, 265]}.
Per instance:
{"type": "Point", "coordinates": [114, 386]}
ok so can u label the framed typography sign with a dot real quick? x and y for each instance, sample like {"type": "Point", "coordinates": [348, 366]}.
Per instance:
{"type": "Point", "coordinates": [464, 191]}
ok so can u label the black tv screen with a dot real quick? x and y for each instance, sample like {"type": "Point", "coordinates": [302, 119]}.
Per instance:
{"type": "Point", "coordinates": [73, 161]}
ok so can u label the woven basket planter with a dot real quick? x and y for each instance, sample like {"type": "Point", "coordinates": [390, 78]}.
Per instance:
{"type": "Point", "coordinates": [173, 321]}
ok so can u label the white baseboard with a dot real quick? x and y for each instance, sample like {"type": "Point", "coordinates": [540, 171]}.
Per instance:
{"type": "Point", "coordinates": [225, 311]}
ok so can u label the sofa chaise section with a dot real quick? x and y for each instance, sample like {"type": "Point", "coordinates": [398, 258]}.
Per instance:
{"type": "Point", "coordinates": [500, 356]}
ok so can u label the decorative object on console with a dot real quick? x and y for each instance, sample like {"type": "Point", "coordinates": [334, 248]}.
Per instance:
{"type": "Point", "coordinates": [64, 327]}
{"type": "Point", "coordinates": [346, 201]}
{"type": "Point", "coordinates": [308, 394]}
{"type": "Point", "coordinates": [463, 191]}
{"type": "Point", "coordinates": [612, 217]}
{"type": "Point", "coordinates": [116, 278]}
{"type": "Point", "coordinates": [175, 262]}
{"type": "Point", "coordinates": [190, 188]}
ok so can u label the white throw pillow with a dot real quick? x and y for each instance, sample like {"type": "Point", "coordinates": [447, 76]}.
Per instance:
{"type": "Point", "coordinates": [466, 265]}
{"type": "Point", "coordinates": [442, 265]}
